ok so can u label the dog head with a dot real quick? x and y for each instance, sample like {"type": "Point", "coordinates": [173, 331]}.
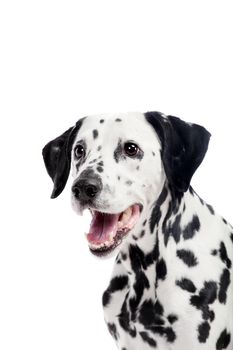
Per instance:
{"type": "Point", "coordinates": [120, 164]}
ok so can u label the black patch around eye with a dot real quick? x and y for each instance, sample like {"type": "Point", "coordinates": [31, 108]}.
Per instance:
{"type": "Point", "coordinates": [223, 340]}
{"type": "Point", "coordinates": [187, 257]}
{"type": "Point", "coordinates": [186, 285]}
{"type": "Point", "coordinates": [95, 133]}
{"type": "Point", "coordinates": [203, 332]}
{"type": "Point", "coordinates": [224, 284]}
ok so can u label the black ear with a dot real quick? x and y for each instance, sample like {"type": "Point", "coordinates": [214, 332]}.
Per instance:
{"type": "Point", "coordinates": [183, 147]}
{"type": "Point", "coordinates": [57, 157]}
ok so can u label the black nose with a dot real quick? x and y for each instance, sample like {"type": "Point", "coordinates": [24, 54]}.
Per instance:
{"type": "Point", "coordinates": [86, 189]}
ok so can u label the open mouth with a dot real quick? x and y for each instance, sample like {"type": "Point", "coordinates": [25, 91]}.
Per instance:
{"type": "Point", "coordinates": [108, 230]}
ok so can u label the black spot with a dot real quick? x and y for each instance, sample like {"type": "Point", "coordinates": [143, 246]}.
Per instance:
{"type": "Point", "coordinates": [99, 148]}
{"type": "Point", "coordinates": [128, 182]}
{"type": "Point", "coordinates": [118, 152]}
{"type": "Point", "coordinates": [158, 308]}
{"type": "Point", "coordinates": [224, 284]}
{"type": "Point", "coordinates": [184, 207]}
{"type": "Point", "coordinates": [223, 255]}
{"type": "Point", "coordinates": [223, 340]}
{"type": "Point", "coordinates": [93, 161]}
{"type": "Point", "coordinates": [142, 234]}
{"type": "Point", "coordinates": [118, 177]}
{"type": "Point", "coordinates": [112, 330]}
{"type": "Point", "coordinates": [191, 190]}
{"type": "Point", "coordinates": [135, 238]}
{"type": "Point", "coordinates": [164, 331]}
{"type": "Point", "coordinates": [118, 120]}
{"type": "Point", "coordinates": [203, 332]}
{"type": "Point", "coordinates": [145, 221]}
{"type": "Point", "coordinates": [99, 169]}
{"type": "Point", "coordinates": [224, 220]}
{"type": "Point", "coordinates": [148, 314]}
{"type": "Point", "coordinates": [210, 209]}
{"type": "Point", "coordinates": [187, 285]}
{"type": "Point", "coordinates": [147, 339]}
{"type": "Point", "coordinates": [211, 315]}
{"type": "Point", "coordinates": [231, 237]}
{"type": "Point", "coordinates": [172, 318]}
{"type": "Point", "coordinates": [137, 168]}
{"type": "Point", "coordinates": [124, 319]}
{"type": "Point", "coordinates": [95, 133]}
{"type": "Point", "coordinates": [176, 229]}
{"type": "Point", "coordinates": [208, 294]}
{"type": "Point", "coordinates": [101, 163]}
{"type": "Point", "coordinates": [156, 212]}
{"type": "Point", "coordinates": [214, 252]}
{"type": "Point", "coordinates": [192, 228]}
{"type": "Point", "coordinates": [201, 200]}
{"type": "Point", "coordinates": [101, 121]}
{"type": "Point", "coordinates": [124, 256]}
{"type": "Point", "coordinates": [161, 269]}
{"type": "Point", "coordinates": [153, 153]}
{"type": "Point", "coordinates": [116, 284]}
{"type": "Point", "coordinates": [187, 257]}
{"type": "Point", "coordinates": [106, 298]}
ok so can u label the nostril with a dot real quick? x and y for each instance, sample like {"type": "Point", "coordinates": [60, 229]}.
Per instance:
{"type": "Point", "coordinates": [91, 191]}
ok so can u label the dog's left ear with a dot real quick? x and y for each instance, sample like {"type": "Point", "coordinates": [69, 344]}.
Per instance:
{"type": "Point", "coordinates": [57, 158]}
{"type": "Point", "coordinates": [183, 147]}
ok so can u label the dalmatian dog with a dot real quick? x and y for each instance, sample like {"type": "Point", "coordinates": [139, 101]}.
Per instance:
{"type": "Point", "coordinates": [171, 287]}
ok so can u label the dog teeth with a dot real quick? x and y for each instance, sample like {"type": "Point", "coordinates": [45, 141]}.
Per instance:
{"type": "Point", "coordinates": [125, 217]}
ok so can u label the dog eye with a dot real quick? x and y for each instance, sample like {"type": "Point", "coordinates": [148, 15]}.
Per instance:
{"type": "Point", "coordinates": [131, 149]}
{"type": "Point", "coordinates": [79, 151]}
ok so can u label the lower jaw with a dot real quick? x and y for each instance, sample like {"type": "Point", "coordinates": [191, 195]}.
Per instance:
{"type": "Point", "coordinates": [104, 251]}
{"type": "Point", "coordinates": [106, 248]}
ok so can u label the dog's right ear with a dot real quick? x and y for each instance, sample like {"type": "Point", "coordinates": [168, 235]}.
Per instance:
{"type": "Point", "coordinates": [57, 158]}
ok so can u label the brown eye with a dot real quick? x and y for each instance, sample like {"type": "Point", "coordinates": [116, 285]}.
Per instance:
{"type": "Point", "coordinates": [131, 149]}
{"type": "Point", "coordinates": [79, 151]}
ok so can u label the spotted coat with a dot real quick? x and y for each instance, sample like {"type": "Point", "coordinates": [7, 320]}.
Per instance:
{"type": "Point", "coordinates": [171, 287]}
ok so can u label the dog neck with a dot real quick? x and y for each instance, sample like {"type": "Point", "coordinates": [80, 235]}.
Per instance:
{"type": "Point", "coordinates": [158, 236]}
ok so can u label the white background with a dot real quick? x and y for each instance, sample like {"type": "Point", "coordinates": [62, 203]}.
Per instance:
{"type": "Point", "coordinates": [61, 60]}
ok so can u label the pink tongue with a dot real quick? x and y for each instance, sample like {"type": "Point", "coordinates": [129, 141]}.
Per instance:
{"type": "Point", "coordinates": [101, 227]}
